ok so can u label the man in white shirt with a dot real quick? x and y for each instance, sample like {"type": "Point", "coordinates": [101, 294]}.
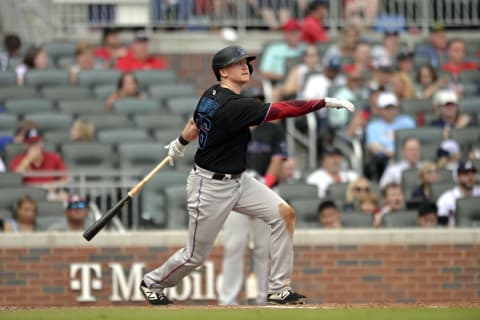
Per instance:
{"type": "Point", "coordinates": [411, 153]}
{"type": "Point", "coordinates": [465, 187]}
{"type": "Point", "coordinates": [330, 172]}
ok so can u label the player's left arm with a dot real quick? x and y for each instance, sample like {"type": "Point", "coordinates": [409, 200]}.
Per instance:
{"type": "Point", "coordinates": [177, 146]}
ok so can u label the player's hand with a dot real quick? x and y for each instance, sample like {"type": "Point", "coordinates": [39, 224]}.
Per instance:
{"type": "Point", "coordinates": [339, 103]}
{"type": "Point", "coordinates": [175, 150]}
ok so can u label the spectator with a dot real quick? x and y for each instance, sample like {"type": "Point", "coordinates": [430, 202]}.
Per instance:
{"type": "Point", "coordinates": [428, 82]}
{"type": "Point", "coordinates": [295, 82]}
{"type": "Point", "coordinates": [380, 135]}
{"type": "Point", "coordinates": [382, 75]}
{"type": "Point", "coordinates": [405, 62]}
{"type": "Point", "coordinates": [450, 116]}
{"type": "Point", "coordinates": [111, 48]}
{"type": "Point", "coordinates": [274, 13]}
{"type": "Point", "coordinates": [273, 66]}
{"type": "Point", "coordinates": [436, 49]}
{"type": "Point", "coordinates": [427, 215]}
{"type": "Point", "coordinates": [289, 172]}
{"type": "Point", "coordinates": [362, 59]}
{"type": "Point", "coordinates": [448, 155]}
{"type": "Point", "coordinates": [313, 30]}
{"type": "Point", "coordinates": [465, 187]}
{"type": "Point", "coordinates": [24, 216]}
{"type": "Point", "coordinates": [138, 56]}
{"type": "Point", "coordinates": [76, 215]}
{"type": "Point", "coordinates": [317, 85]}
{"type": "Point", "coordinates": [36, 159]}
{"type": "Point", "coordinates": [356, 190]}
{"type": "Point", "coordinates": [393, 200]}
{"type": "Point", "coordinates": [345, 46]}
{"type": "Point", "coordinates": [362, 11]}
{"type": "Point", "coordinates": [127, 87]}
{"type": "Point", "coordinates": [82, 130]}
{"type": "Point", "coordinates": [84, 60]}
{"type": "Point", "coordinates": [12, 45]}
{"type": "Point", "coordinates": [456, 62]}
{"type": "Point", "coordinates": [330, 172]}
{"type": "Point", "coordinates": [18, 135]}
{"type": "Point", "coordinates": [328, 215]}
{"type": "Point", "coordinates": [389, 50]}
{"type": "Point", "coordinates": [411, 154]}
{"type": "Point", "coordinates": [427, 174]}
{"type": "Point", "coordinates": [402, 86]}
{"type": "Point", "coordinates": [368, 203]}
{"type": "Point", "coordinates": [35, 58]}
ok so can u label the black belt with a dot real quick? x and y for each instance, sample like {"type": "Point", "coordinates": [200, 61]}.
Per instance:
{"type": "Point", "coordinates": [222, 176]}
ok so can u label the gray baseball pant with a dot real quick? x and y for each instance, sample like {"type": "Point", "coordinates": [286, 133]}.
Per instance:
{"type": "Point", "coordinates": [209, 204]}
{"type": "Point", "coordinates": [237, 231]}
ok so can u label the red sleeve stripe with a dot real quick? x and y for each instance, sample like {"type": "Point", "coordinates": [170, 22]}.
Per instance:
{"type": "Point", "coordinates": [293, 108]}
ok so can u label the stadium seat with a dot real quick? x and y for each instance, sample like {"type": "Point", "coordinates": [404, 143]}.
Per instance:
{"type": "Point", "coordinates": [28, 106]}
{"type": "Point", "coordinates": [356, 220]}
{"type": "Point", "coordinates": [140, 155]}
{"type": "Point", "coordinates": [41, 78]}
{"type": "Point", "coordinates": [189, 156]}
{"type": "Point", "coordinates": [426, 135]}
{"type": "Point", "coordinates": [10, 195]}
{"type": "Point", "coordinates": [10, 179]}
{"type": "Point", "coordinates": [297, 191]}
{"type": "Point", "coordinates": [49, 213]}
{"type": "Point", "coordinates": [64, 92]}
{"type": "Point", "coordinates": [159, 121]}
{"type": "Point", "coordinates": [165, 135]}
{"type": "Point", "coordinates": [51, 121]}
{"type": "Point", "coordinates": [135, 105]}
{"type": "Point", "coordinates": [162, 92]}
{"type": "Point", "coordinates": [57, 136]}
{"type": "Point", "coordinates": [469, 76]}
{"type": "Point", "coordinates": [14, 92]}
{"type": "Point", "coordinates": [123, 135]}
{"type": "Point", "coordinates": [337, 191]}
{"type": "Point", "coordinates": [439, 188]}
{"type": "Point", "coordinates": [95, 77]}
{"type": "Point", "coordinates": [400, 219]}
{"type": "Point", "coordinates": [306, 212]}
{"type": "Point", "coordinates": [182, 105]}
{"type": "Point", "coordinates": [104, 121]}
{"type": "Point", "coordinates": [57, 49]}
{"type": "Point", "coordinates": [413, 107]}
{"type": "Point", "coordinates": [176, 207]}
{"type": "Point", "coordinates": [466, 137]}
{"type": "Point", "coordinates": [147, 78]}
{"type": "Point", "coordinates": [87, 155]}
{"type": "Point", "coordinates": [468, 213]}
{"type": "Point", "coordinates": [103, 91]}
{"type": "Point", "coordinates": [65, 62]}
{"type": "Point", "coordinates": [8, 78]}
{"type": "Point", "coordinates": [8, 121]}
{"type": "Point", "coordinates": [14, 149]}
{"type": "Point", "coordinates": [82, 106]}
{"type": "Point", "coordinates": [470, 105]}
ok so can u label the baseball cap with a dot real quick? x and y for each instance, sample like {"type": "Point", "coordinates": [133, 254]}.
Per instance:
{"type": "Point", "coordinates": [387, 99]}
{"type": "Point", "coordinates": [404, 55]}
{"type": "Point", "coordinates": [76, 202]}
{"type": "Point", "coordinates": [383, 63]}
{"type": "Point", "coordinates": [450, 146]}
{"type": "Point", "coordinates": [141, 36]}
{"type": "Point", "coordinates": [291, 25]}
{"type": "Point", "coordinates": [331, 150]}
{"type": "Point", "coordinates": [444, 97]}
{"type": "Point", "coordinates": [335, 64]}
{"type": "Point", "coordinates": [427, 208]}
{"type": "Point", "coordinates": [32, 135]}
{"type": "Point", "coordinates": [466, 166]}
{"type": "Point", "coordinates": [437, 26]}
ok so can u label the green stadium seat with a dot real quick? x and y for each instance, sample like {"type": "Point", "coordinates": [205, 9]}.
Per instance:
{"type": "Point", "coordinates": [29, 105]}
{"type": "Point", "coordinates": [41, 78]}
{"type": "Point", "coordinates": [95, 77]}
{"type": "Point", "coordinates": [426, 135]}
{"type": "Point", "coordinates": [135, 105]}
{"type": "Point", "coordinates": [104, 121]}
{"type": "Point", "coordinates": [176, 207]}
{"type": "Point", "coordinates": [147, 78]}
{"type": "Point", "coordinates": [87, 155]}
{"type": "Point", "coordinates": [439, 188]}
{"type": "Point", "coordinates": [466, 137]}
{"type": "Point", "coordinates": [51, 121]}
{"type": "Point", "coordinates": [64, 92]}
{"type": "Point", "coordinates": [8, 121]}
{"type": "Point", "coordinates": [400, 219]}
{"type": "Point", "coordinates": [297, 191]}
{"type": "Point", "coordinates": [14, 92]}
{"type": "Point", "coordinates": [57, 49]}
{"type": "Point", "coordinates": [356, 220]}
{"type": "Point", "coordinates": [83, 106]}
{"type": "Point", "coordinates": [470, 105]}
{"type": "Point", "coordinates": [103, 91]}
{"type": "Point", "coordinates": [123, 135]}
{"type": "Point", "coordinates": [10, 195]}
{"type": "Point", "coordinates": [140, 155]}
{"type": "Point", "coordinates": [10, 179]}
{"type": "Point", "coordinates": [468, 213]}
{"type": "Point", "coordinates": [162, 92]}
{"type": "Point", "coordinates": [57, 136]}
{"type": "Point", "coordinates": [8, 78]}
{"type": "Point", "coordinates": [413, 107]}
{"type": "Point", "coordinates": [65, 62]}
{"type": "Point", "coordinates": [306, 212]}
{"type": "Point", "coordinates": [337, 192]}
{"type": "Point", "coordinates": [165, 135]}
{"type": "Point", "coordinates": [159, 121]}
{"type": "Point", "coordinates": [182, 105]}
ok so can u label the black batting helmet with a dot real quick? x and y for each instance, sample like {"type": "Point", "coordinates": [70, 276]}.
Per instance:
{"type": "Point", "coordinates": [228, 56]}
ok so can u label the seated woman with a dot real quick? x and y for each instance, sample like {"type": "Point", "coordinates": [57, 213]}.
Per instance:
{"type": "Point", "coordinates": [427, 82]}
{"type": "Point", "coordinates": [356, 190]}
{"type": "Point", "coordinates": [24, 216]}
{"type": "Point", "coordinates": [82, 130]}
{"type": "Point", "coordinates": [127, 87]}
{"type": "Point", "coordinates": [428, 174]}
{"type": "Point", "coordinates": [35, 58]}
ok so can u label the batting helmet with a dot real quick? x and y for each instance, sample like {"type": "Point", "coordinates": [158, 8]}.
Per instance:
{"type": "Point", "coordinates": [228, 56]}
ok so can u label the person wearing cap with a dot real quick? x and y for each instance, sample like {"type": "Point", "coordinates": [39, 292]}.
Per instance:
{"type": "Point", "coordinates": [411, 153]}
{"type": "Point", "coordinates": [382, 74]}
{"type": "Point", "coordinates": [405, 62]}
{"type": "Point", "coordinates": [450, 115]}
{"type": "Point", "coordinates": [448, 155]}
{"type": "Point", "coordinates": [111, 48]}
{"type": "Point", "coordinates": [389, 49]}
{"type": "Point", "coordinates": [362, 59]}
{"type": "Point", "coordinates": [427, 215]}
{"type": "Point", "coordinates": [313, 30]}
{"type": "Point", "coordinates": [380, 133]}
{"type": "Point", "coordinates": [273, 66]}
{"type": "Point", "coordinates": [76, 214]}
{"type": "Point", "coordinates": [456, 63]}
{"type": "Point", "coordinates": [317, 85]}
{"type": "Point", "coordinates": [436, 48]}
{"type": "Point", "coordinates": [330, 171]}
{"type": "Point", "coordinates": [345, 46]}
{"type": "Point", "coordinates": [465, 188]}
{"type": "Point", "coordinates": [265, 155]}
{"type": "Point", "coordinates": [138, 56]}
{"type": "Point", "coordinates": [36, 159]}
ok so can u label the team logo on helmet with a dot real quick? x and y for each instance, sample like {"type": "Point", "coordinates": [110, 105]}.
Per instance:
{"type": "Point", "coordinates": [241, 51]}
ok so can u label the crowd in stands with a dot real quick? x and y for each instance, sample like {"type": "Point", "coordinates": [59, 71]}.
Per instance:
{"type": "Point", "coordinates": [395, 89]}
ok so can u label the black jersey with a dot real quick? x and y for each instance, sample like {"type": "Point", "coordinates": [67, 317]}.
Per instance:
{"type": "Point", "coordinates": [268, 140]}
{"type": "Point", "coordinates": [223, 119]}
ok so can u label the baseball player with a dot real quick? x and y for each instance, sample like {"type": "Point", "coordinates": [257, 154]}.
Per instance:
{"type": "Point", "coordinates": [216, 185]}
{"type": "Point", "coordinates": [265, 154]}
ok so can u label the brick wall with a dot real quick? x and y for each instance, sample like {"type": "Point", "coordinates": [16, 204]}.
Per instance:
{"type": "Point", "coordinates": [40, 274]}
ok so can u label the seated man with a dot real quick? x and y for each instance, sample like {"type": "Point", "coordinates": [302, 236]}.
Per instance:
{"type": "Point", "coordinates": [393, 200]}
{"type": "Point", "coordinates": [76, 214]}
{"type": "Point", "coordinates": [328, 215]}
{"type": "Point", "coordinates": [138, 57]}
{"type": "Point", "coordinates": [456, 62]}
{"type": "Point", "coordinates": [427, 215]}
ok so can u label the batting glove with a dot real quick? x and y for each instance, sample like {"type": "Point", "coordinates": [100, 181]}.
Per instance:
{"type": "Point", "coordinates": [175, 150]}
{"type": "Point", "coordinates": [339, 103]}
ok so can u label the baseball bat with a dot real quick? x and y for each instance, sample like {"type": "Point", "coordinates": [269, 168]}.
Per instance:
{"type": "Point", "coordinates": [100, 223]}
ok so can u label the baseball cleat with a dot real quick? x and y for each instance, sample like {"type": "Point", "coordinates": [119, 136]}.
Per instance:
{"type": "Point", "coordinates": [286, 297]}
{"type": "Point", "coordinates": [154, 297]}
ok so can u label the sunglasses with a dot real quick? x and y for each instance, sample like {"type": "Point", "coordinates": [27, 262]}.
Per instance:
{"type": "Point", "coordinates": [77, 205]}
{"type": "Point", "coordinates": [360, 189]}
